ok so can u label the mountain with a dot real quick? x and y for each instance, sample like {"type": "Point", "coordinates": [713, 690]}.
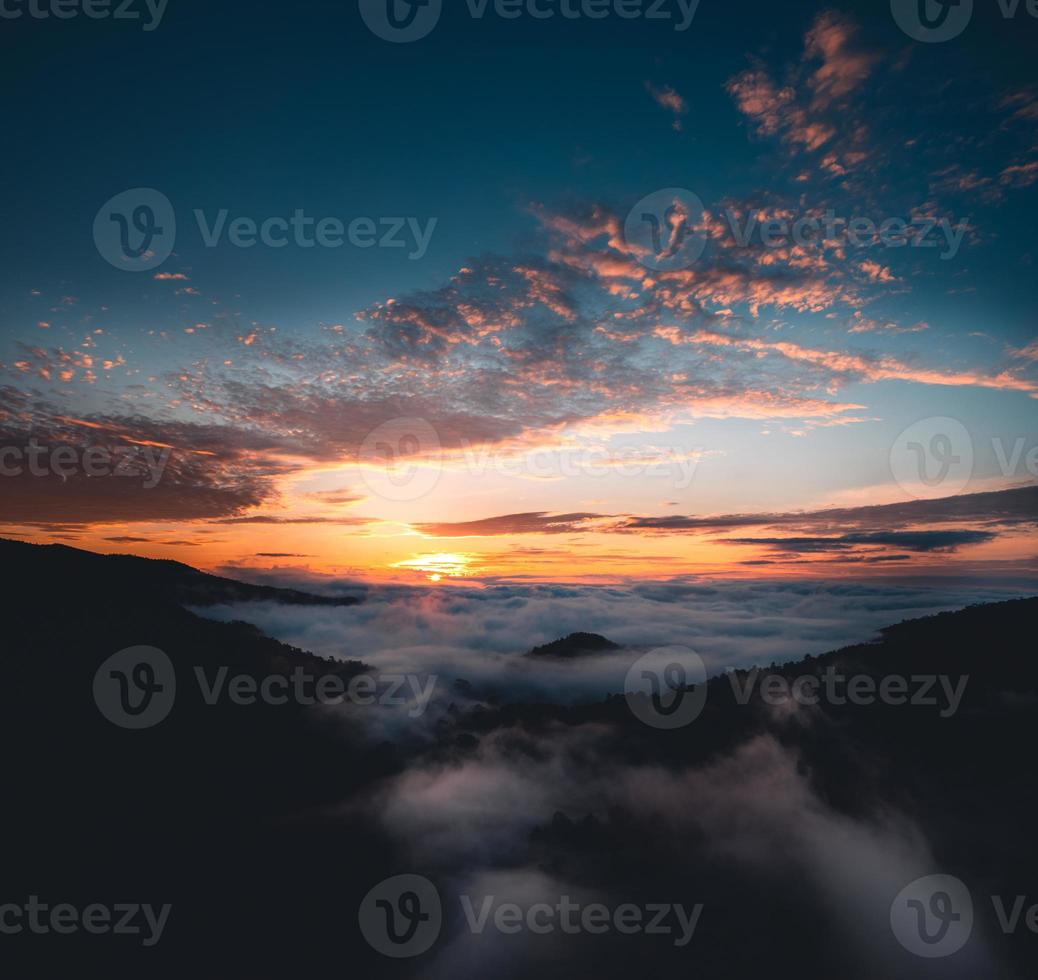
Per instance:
{"type": "Point", "coordinates": [573, 646]}
{"type": "Point", "coordinates": [264, 826]}
{"type": "Point", "coordinates": [178, 582]}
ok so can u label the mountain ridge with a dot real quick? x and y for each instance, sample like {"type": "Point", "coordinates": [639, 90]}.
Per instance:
{"type": "Point", "coordinates": [190, 585]}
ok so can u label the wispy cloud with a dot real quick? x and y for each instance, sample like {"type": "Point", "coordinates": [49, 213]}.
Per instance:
{"type": "Point", "coordinates": [669, 99]}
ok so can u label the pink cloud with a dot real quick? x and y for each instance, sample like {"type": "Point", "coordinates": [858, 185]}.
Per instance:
{"type": "Point", "coordinates": [864, 368]}
{"type": "Point", "coordinates": [669, 99]}
{"type": "Point", "coordinates": [843, 68]}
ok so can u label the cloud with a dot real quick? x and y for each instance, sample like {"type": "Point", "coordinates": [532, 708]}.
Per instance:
{"type": "Point", "coordinates": [1005, 508]}
{"type": "Point", "coordinates": [276, 519]}
{"type": "Point", "coordinates": [758, 97]}
{"type": "Point", "coordinates": [844, 67]}
{"type": "Point", "coordinates": [1028, 353]}
{"type": "Point", "coordinates": [156, 470]}
{"type": "Point", "coordinates": [480, 634]}
{"type": "Point", "coordinates": [813, 109]}
{"type": "Point", "coordinates": [670, 100]}
{"type": "Point", "coordinates": [1023, 103]}
{"type": "Point", "coordinates": [860, 366]}
{"type": "Point", "coordinates": [920, 541]}
{"type": "Point", "coordinates": [859, 323]}
{"type": "Point", "coordinates": [532, 523]}
{"type": "Point", "coordinates": [337, 498]}
{"type": "Point", "coordinates": [512, 352]}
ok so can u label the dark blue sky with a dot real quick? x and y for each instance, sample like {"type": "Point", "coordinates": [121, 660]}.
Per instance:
{"type": "Point", "coordinates": [264, 107]}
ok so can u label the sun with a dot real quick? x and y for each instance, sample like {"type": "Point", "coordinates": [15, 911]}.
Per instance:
{"type": "Point", "coordinates": [439, 565]}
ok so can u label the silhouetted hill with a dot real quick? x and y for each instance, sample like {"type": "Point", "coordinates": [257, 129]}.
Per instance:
{"type": "Point", "coordinates": [194, 811]}
{"type": "Point", "coordinates": [573, 646]}
{"type": "Point", "coordinates": [177, 582]}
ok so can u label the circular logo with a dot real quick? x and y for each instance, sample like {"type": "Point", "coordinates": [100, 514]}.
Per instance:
{"type": "Point", "coordinates": [933, 458]}
{"type": "Point", "coordinates": [401, 917]}
{"type": "Point", "coordinates": [136, 230]}
{"type": "Point", "coordinates": [932, 20]}
{"type": "Point", "coordinates": [400, 460]}
{"type": "Point", "coordinates": [136, 687]}
{"type": "Point", "coordinates": [933, 916]}
{"type": "Point", "coordinates": [666, 688]}
{"type": "Point", "coordinates": [661, 229]}
{"type": "Point", "coordinates": [401, 21]}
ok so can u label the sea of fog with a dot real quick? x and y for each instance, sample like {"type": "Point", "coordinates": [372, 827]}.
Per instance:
{"type": "Point", "coordinates": [479, 635]}
{"type": "Point", "coordinates": [469, 812]}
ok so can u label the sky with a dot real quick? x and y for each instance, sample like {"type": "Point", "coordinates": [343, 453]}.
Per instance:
{"type": "Point", "coordinates": [731, 290]}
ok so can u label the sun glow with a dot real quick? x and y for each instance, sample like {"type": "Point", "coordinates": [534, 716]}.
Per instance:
{"type": "Point", "coordinates": [439, 565]}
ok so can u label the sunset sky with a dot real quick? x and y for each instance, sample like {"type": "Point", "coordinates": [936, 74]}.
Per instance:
{"type": "Point", "coordinates": [562, 404]}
